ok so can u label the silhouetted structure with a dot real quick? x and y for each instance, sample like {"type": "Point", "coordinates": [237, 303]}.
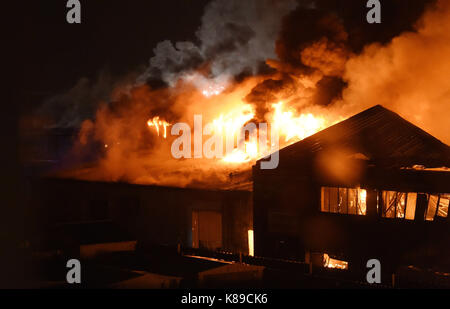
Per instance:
{"type": "Point", "coordinates": [372, 186]}
{"type": "Point", "coordinates": [361, 189]}
{"type": "Point", "coordinates": [70, 213]}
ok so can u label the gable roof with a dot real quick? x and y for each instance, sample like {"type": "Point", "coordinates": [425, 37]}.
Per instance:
{"type": "Point", "coordinates": [376, 134]}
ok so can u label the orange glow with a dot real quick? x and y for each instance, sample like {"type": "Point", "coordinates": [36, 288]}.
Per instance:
{"type": "Point", "coordinates": [291, 101]}
{"type": "Point", "coordinates": [290, 129]}
{"type": "Point", "coordinates": [236, 156]}
{"type": "Point", "coordinates": [225, 116]}
{"type": "Point", "coordinates": [333, 263]}
{"type": "Point", "coordinates": [363, 204]}
{"type": "Point", "coordinates": [156, 122]}
{"type": "Point", "coordinates": [295, 128]}
{"type": "Point", "coordinates": [251, 248]}
{"type": "Point", "coordinates": [229, 124]}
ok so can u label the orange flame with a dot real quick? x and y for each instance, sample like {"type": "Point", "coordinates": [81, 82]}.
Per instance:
{"type": "Point", "coordinates": [290, 129]}
{"type": "Point", "coordinates": [156, 122]}
{"type": "Point", "coordinates": [334, 263]}
{"type": "Point", "coordinates": [295, 128]}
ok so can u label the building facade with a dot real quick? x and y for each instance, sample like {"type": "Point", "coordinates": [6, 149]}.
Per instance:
{"type": "Point", "coordinates": [371, 187]}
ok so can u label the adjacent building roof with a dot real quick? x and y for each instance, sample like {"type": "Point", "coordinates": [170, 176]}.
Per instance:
{"type": "Point", "coordinates": [379, 136]}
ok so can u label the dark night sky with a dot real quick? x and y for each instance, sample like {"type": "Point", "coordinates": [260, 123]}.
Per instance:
{"type": "Point", "coordinates": [117, 36]}
{"type": "Point", "coordinates": [49, 56]}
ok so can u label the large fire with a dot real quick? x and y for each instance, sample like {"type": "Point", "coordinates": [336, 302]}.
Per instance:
{"type": "Point", "coordinates": [144, 144]}
{"type": "Point", "coordinates": [294, 82]}
{"type": "Point", "coordinates": [290, 127]}
{"type": "Point", "coordinates": [157, 123]}
{"type": "Point", "coordinates": [294, 128]}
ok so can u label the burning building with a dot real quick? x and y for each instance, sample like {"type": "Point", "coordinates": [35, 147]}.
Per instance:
{"type": "Point", "coordinates": [372, 186]}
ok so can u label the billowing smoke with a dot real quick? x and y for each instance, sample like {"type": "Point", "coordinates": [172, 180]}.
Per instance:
{"type": "Point", "coordinates": [408, 75]}
{"type": "Point", "coordinates": [235, 37]}
{"type": "Point", "coordinates": [317, 57]}
{"type": "Point", "coordinates": [307, 72]}
{"type": "Point", "coordinates": [128, 150]}
{"type": "Point", "coordinates": [69, 109]}
{"type": "Point", "coordinates": [315, 43]}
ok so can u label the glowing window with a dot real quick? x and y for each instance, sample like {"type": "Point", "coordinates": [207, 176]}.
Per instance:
{"type": "Point", "coordinates": [444, 200]}
{"type": "Point", "coordinates": [333, 199]}
{"type": "Point", "coordinates": [251, 248]}
{"type": "Point", "coordinates": [437, 206]}
{"type": "Point", "coordinates": [411, 201]}
{"type": "Point", "coordinates": [432, 207]}
{"type": "Point", "coordinates": [350, 201]}
{"type": "Point", "coordinates": [388, 199]}
{"type": "Point", "coordinates": [343, 200]}
{"type": "Point", "coordinates": [403, 205]}
{"type": "Point", "coordinates": [362, 202]}
{"type": "Point", "coordinates": [394, 204]}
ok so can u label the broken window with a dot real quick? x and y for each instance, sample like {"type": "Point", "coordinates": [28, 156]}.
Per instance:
{"type": "Point", "coordinates": [388, 199]}
{"type": "Point", "coordinates": [437, 206]}
{"type": "Point", "coordinates": [432, 206]}
{"type": "Point", "coordinates": [403, 205]}
{"type": "Point", "coordinates": [394, 204]}
{"type": "Point", "coordinates": [350, 201]}
{"type": "Point", "coordinates": [444, 200]}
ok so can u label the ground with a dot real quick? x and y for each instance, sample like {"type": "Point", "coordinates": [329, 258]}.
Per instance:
{"type": "Point", "coordinates": [132, 269]}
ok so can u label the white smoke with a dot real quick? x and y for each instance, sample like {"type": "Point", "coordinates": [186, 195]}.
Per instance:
{"type": "Point", "coordinates": [235, 36]}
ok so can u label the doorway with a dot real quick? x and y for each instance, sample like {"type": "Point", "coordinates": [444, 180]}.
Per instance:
{"type": "Point", "coordinates": [206, 229]}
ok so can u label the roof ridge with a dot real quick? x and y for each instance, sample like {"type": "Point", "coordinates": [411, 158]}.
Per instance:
{"type": "Point", "coordinates": [380, 132]}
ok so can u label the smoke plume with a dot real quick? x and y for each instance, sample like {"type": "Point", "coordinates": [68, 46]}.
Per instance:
{"type": "Point", "coordinates": [235, 37]}
{"type": "Point", "coordinates": [408, 75]}
{"type": "Point", "coordinates": [317, 57]}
